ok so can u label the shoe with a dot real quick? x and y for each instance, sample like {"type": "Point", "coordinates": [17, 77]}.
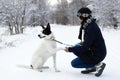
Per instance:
{"type": "Point", "coordinates": [88, 70]}
{"type": "Point", "coordinates": [100, 69]}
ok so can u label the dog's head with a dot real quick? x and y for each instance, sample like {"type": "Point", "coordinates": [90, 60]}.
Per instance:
{"type": "Point", "coordinates": [46, 32]}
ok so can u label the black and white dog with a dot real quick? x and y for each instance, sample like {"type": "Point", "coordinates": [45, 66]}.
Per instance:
{"type": "Point", "coordinates": [47, 49]}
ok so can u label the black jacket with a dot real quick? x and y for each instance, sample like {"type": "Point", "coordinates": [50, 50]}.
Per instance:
{"type": "Point", "coordinates": [93, 49]}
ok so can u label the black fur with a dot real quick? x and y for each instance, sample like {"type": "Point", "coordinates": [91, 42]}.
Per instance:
{"type": "Point", "coordinates": [47, 30]}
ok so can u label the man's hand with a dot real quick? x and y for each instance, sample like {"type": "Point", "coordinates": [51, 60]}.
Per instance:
{"type": "Point", "coordinates": [67, 49]}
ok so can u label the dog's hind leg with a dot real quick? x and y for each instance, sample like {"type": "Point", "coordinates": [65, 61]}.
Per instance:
{"type": "Point", "coordinates": [37, 64]}
{"type": "Point", "coordinates": [54, 63]}
{"type": "Point", "coordinates": [31, 66]}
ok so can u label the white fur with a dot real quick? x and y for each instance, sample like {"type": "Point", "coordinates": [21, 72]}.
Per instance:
{"type": "Point", "coordinates": [45, 50]}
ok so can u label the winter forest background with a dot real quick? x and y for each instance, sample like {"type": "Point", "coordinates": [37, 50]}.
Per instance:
{"type": "Point", "coordinates": [18, 14]}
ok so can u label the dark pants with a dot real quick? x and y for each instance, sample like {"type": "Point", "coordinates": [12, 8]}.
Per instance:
{"type": "Point", "coordinates": [77, 62]}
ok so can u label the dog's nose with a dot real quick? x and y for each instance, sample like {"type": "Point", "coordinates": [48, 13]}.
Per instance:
{"type": "Point", "coordinates": [40, 36]}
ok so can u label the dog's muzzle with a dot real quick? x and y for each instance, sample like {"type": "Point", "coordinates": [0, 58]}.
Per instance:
{"type": "Point", "coordinates": [40, 36]}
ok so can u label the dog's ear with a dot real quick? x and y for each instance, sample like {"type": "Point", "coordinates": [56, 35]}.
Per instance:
{"type": "Point", "coordinates": [48, 26]}
{"type": "Point", "coordinates": [42, 26]}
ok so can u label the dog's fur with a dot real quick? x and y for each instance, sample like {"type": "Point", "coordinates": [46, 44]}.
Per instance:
{"type": "Point", "coordinates": [47, 49]}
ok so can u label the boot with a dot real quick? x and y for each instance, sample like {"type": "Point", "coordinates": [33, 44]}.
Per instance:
{"type": "Point", "coordinates": [100, 69]}
{"type": "Point", "coordinates": [88, 70]}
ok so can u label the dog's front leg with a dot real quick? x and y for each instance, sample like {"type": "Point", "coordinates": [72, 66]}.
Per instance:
{"type": "Point", "coordinates": [54, 49]}
{"type": "Point", "coordinates": [54, 63]}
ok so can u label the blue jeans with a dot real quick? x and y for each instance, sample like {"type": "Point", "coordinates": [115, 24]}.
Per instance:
{"type": "Point", "coordinates": [77, 62]}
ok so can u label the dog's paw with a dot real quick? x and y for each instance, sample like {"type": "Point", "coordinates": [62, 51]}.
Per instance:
{"type": "Point", "coordinates": [31, 66]}
{"type": "Point", "coordinates": [40, 70]}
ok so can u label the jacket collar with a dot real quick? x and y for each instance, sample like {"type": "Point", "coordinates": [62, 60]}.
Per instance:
{"type": "Point", "coordinates": [84, 24]}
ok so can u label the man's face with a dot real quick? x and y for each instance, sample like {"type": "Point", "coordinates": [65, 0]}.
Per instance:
{"type": "Point", "coordinates": [81, 20]}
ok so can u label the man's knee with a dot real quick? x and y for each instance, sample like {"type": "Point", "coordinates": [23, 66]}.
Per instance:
{"type": "Point", "coordinates": [74, 64]}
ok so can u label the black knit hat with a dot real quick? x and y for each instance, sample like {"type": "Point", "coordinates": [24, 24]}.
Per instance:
{"type": "Point", "coordinates": [84, 12]}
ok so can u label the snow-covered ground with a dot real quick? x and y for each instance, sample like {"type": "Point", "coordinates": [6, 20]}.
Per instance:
{"type": "Point", "coordinates": [21, 47]}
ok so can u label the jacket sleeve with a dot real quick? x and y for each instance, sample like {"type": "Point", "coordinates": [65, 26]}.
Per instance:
{"type": "Point", "coordinates": [89, 38]}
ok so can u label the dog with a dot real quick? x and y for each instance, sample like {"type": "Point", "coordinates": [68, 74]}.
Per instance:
{"type": "Point", "coordinates": [47, 49]}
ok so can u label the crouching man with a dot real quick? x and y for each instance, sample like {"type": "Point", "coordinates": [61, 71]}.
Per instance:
{"type": "Point", "coordinates": [92, 50]}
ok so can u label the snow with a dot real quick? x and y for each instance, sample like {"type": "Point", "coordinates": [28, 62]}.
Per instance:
{"type": "Point", "coordinates": [25, 45]}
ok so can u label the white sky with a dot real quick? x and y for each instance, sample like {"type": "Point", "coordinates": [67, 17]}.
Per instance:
{"type": "Point", "coordinates": [53, 2]}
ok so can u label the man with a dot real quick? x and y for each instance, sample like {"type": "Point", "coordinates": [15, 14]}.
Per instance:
{"type": "Point", "coordinates": [92, 50]}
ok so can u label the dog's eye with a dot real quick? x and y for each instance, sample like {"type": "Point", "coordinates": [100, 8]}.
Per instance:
{"type": "Point", "coordinates": [46, 32]}
{"type": "Point", "coordinates": [43, 32]}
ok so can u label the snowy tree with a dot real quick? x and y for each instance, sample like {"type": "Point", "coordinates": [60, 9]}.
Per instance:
{"type": "Point", "coordinates": [16, 14]}
{"type": "Point", "coordinates": [108, 12]}
{"type": "Point", "coordinates": [61, 13]}
{"type": "Point", "coordinates": [8, 15]}
{"type": "Point", "coordinates": [74, 6]}
{"type": "Point", "coordinates": [13, 14]}
{"type": "Point", "coordinates": [38, 12]}
{"type": "Point", "coordinates": [32, 13]}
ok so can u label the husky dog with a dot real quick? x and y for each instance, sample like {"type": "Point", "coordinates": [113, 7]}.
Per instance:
{"type": "Point", "coordinates": [47, 49]}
